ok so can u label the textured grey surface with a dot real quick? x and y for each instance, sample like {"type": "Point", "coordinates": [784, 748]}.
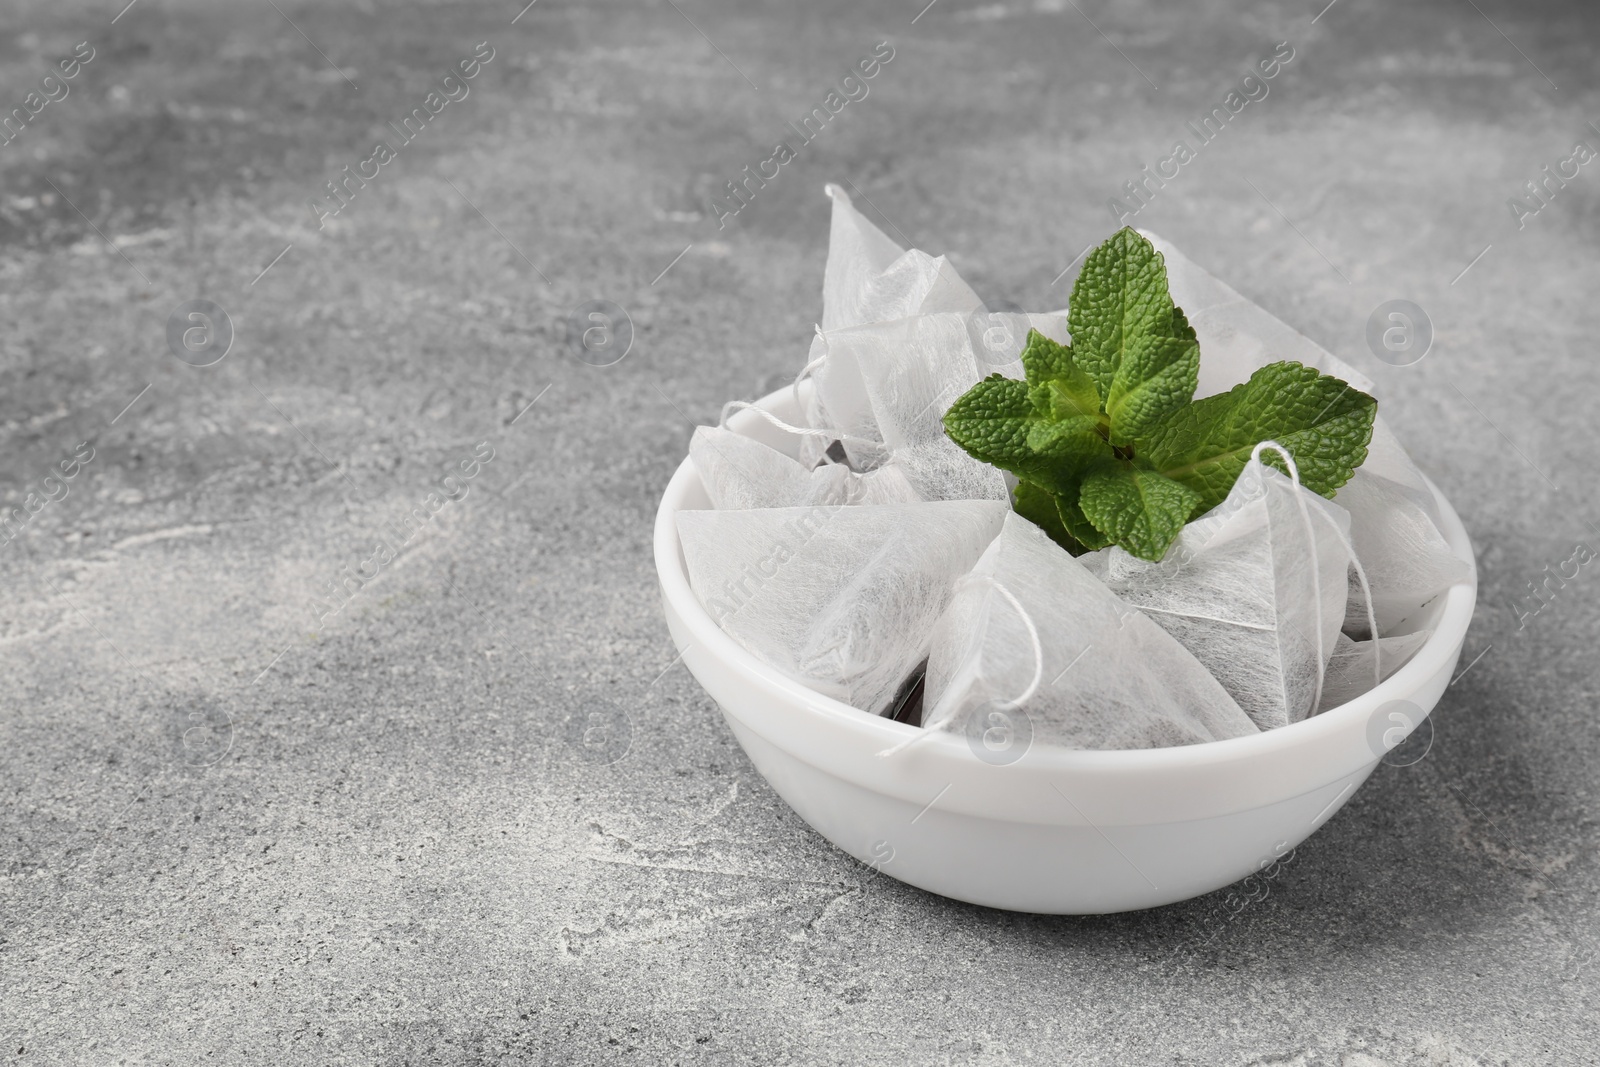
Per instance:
{"type": "Point", "coordinates": [239, 828]}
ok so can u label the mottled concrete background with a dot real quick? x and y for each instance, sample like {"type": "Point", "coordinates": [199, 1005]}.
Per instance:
{"type": "Point", "coordinates": [242, 827]}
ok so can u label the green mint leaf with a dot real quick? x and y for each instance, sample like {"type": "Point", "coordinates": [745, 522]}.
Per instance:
{"type": "Point", "coordinates": [1157, 377]}
{"type": "Point", "coordinates": [1062, 389]}
{"type": "Point", "coordinates": [1063, 521]}
{"type": "Point", "coordinates": [1064, 399]}
{"type": "Point", "coordinates": [1009, 424]}
{"type": "Point", "coordinates": [1105, 435]}
{"type": "Point", "coordinates": [1069, 511]}
{"type": "Point", "coordinates": [1038, 505]}
{"type": "Point", "coordinates": [1063, 403]}
{"type": "Point", "coordinates": [1062, 451]}
{"type": "Point", "coordinates": [1044, 360]}
{"type": "Point", "coordinates": [991, 421]}
{"type": "Point", "coordinates": [1141, 510]}
{"type": "Point", "coordinates": [1120, 296]}
{"type": "Point", "coordinates": [1180, 325]}
{"type": "Point", "coordinates": [1324, 423]}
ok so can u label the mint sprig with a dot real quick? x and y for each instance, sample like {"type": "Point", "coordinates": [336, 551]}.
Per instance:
{"type": "Point", "coordinates": [1105, 435]}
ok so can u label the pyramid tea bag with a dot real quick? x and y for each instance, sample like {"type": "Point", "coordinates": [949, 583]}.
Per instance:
{"type": "Point", "coordinates": [938, 471]}
{"type": "Point", "coordinates": [1388, 459]}
{"type": "Point", "coordinates": [1406, 560]}
{"type": "Point", "coordinates": [840, 598]}
{"type": "Point", "coordinates": [1255, 588]}
{"type": "Point", "coordinates": [912, 371]}
{"type": "Point", "coordinates": [838, 404]}
{"type": "Point", "coordinates": [868, 278]}
{"type": "Point", "coordinates": [905, 374]}
{"type": "Point", "coordinates": [740, 472]}
{"type": "Point", "coordinates": [1357, 666]}
{"type": "Point", "coordinates": [1031, 633]}
{"type": "Point", "coordinates": [877, 299]}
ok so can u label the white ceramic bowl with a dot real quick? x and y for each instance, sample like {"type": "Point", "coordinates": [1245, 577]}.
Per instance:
{"type": "Point", "coordinates": [1059, 830]}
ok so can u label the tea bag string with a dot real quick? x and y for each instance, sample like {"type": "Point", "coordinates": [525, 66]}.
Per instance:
{"type": "Point", "coordinates": [1361, 573]}
{"type": "Point", "coordinates": [1372, 613]}
{"type": "Point", "coordinates": [741, 405]}
{"type": "Point", "coordinates": [1002, 705]}
{"type": "Point", "coordinates": [1033, 639]}
{"type": "Point", "coordinates": [1311, 539]}
{"type": "Point", "coordinates": [1366, 594]}
{"type": "Point", "coordinates": [805, 372]}
{"type": "Point", "coordinates": [804, 431]}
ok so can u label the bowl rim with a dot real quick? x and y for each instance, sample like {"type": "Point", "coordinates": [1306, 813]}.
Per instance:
{"type": "Point", "coordinates": [1437, 653]}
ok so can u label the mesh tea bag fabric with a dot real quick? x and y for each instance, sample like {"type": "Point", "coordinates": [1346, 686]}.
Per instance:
{"type": "Point", "coordinates": [1354, 666]}
{"type": "Point", "coordinates": [1031, 632]}
{"type": "Point", "coordinates": [913, 370]}
{"type": "Point", "coordinates": [838, 403]}
{"type": "Point", "coordinates": [739, 472]}
{"type": "Point", "coordinates": [868, 278]}
{"type": "Point", "coordinates": [936, 470]}
{"type": "Point", "coordinates": [1406, 559]}
{"type": "Point", "coordinates": [1255, 588]}
{"type": "Point", "coordinates": [840, 598]}
{"type": "Point", "coordinates": [1387, 459]}
{"type": "Point", "coordinates": [885, 385]}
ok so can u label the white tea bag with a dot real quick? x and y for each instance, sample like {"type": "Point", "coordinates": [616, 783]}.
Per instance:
{"type": "Point", "coordinates": [905, 374]}
{"type": "Point", "coordinates": [913, 370]}
{"type": "Point", "coordinates": [1358, 666]}
{"type": "Point", "coordinates": [840, 598]}
{"type": "Point", "coordinates": [1406, 560]}
{"type": "Point", "coordinates": [1031, 633]}
{"type": "Point", "coordinates": [838, 404]}
{"type": "Point", "coordinates": [1255, 588]}
{"type": "Point", "coordinates": [739, 472]}
{"type": "Point", "coordinates": [937, 469]}
{"type": "Point", "coordinates": [868, 278]}
{"type": "Point", "coordinates": [1388, 460]}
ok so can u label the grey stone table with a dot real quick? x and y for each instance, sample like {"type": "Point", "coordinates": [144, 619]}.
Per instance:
{"type": "Point", "coordinates": [250, 818]}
